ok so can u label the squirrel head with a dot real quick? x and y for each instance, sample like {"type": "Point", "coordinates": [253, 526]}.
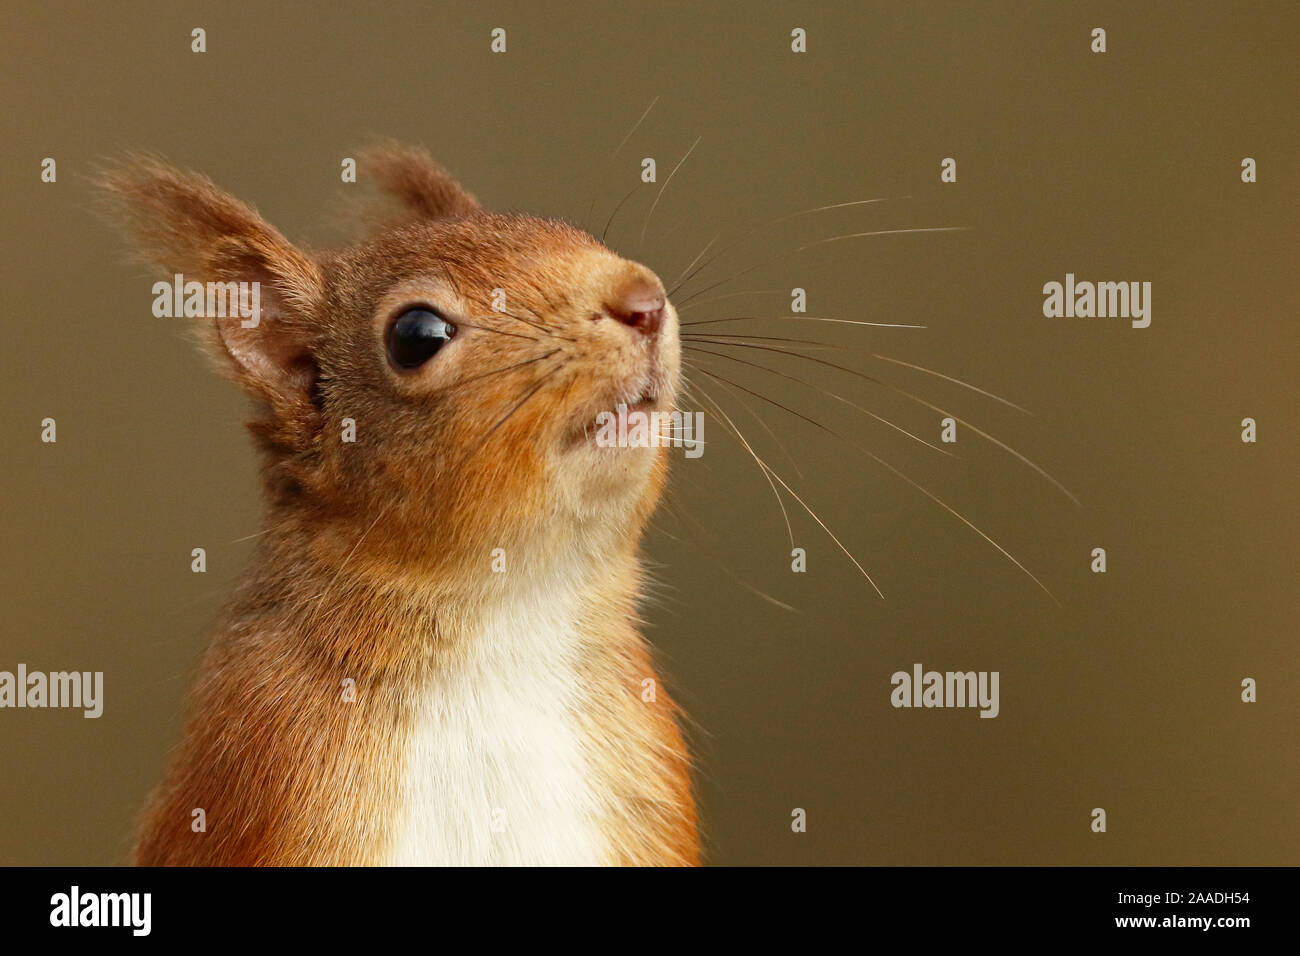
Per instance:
{"type": "Point", "coordinates": [431, 393]}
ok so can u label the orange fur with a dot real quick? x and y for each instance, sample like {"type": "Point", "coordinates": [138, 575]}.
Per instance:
{"type": "Point", "coordinates": [375, 563]}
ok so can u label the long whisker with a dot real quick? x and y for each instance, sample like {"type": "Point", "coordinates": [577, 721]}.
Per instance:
{"type": "Point", "coordinates": [697, 258]}
{"type": "Point", "coordinates": [548, 330]}
{"type": "Point", "coordinates": [496, 371]}
{"type": "Point", "coordinates": [609, 222]}
{"type": "Point", "coordinates": [771, 401]}
{"type": "Point", "coordinates": [830, 394]}
{"type": "Point", "coordinates": [635, 127]}
{"type": "Point", "coordinates": [609, 162]}
{"type": "Point", "coordinates": [729, 295]}
{"type": "Point", "coordinates": [461, 323]}
{"type": "Point", "coordinates": [726, 339]}
{"type": "Point", "coordinates": [955, 381]}
{"type": "Point", "coordinates": [698, 538]}
{"type": "Point", "coordinates": [759, 418]}
{"type": "Point", "coordinates": [535, 321]}
{"type": "Point", "coordinates": [805, 507]}
{"type": "Point", "coordinates": [935, 408]}
{"type": "Point", "coordinates": [915, 485]}
{"type": "Point", "coordinates": [960, 517]}
{"type": "Point", "coordinates": [820, 242]}
{"type": "Point", "coordinates": [759, 461]}
{"type": "Point", "coordinates": [777, 221]}
{"type": "Point", "coordinates": [660, 195]}
{"type": "Point", "coordinates": [748, 336]}
{"type": "Point", "coordinates": [802, 343]}
{"type": "Point", "coordinates": [800, 318]}
{"type": "Point", "coordinates": [508, 415]}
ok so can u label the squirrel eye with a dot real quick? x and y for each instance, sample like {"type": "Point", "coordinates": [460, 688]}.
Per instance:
{"type": "Point", "coordinates": [416, 336]}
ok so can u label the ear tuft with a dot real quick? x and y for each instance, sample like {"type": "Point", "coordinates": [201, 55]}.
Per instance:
{"type": "Point", "coordinates": [184, 224]}
{"type": "Point", "coordinates": [423, 188]}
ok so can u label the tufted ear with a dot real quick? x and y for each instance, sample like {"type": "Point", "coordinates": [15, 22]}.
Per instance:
{"type": "Point", "coordinates": [422, 188]}
{"type": "Point", "coordinates": [185, 225]}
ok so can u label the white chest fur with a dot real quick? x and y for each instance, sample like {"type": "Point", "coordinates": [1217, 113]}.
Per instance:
{"type": "Point", "coordinates": [495, 772]}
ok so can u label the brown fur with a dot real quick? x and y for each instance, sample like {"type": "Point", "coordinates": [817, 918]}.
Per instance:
{"type": "Point", "coordinates": [373, 564]}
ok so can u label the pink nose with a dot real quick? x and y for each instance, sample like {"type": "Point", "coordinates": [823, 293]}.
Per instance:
{"type": "Point", "coordinates": [640, 306]}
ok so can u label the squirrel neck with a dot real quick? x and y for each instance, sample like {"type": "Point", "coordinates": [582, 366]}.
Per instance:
{"type": "Point", "coordinates": [334, 598]}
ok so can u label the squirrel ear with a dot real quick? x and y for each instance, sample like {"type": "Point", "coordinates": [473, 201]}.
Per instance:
{"type": "Point", "coordinates": [186, 225]}
{"type": "Point", "coordinates": [423, 188]}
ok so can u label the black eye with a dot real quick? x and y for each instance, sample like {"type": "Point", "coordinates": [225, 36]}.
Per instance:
{"type": "Point", "coordinates": [416, 335]}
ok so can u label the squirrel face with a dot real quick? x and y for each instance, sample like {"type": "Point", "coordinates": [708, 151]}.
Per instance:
{"type": "Point", "coordinates": [483, 349]}
{"type": "Point", "coordinates": [429, 394]}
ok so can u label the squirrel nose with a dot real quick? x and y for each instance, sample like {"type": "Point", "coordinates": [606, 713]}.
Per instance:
{"type": "Point", "coordinates": [639, 306]}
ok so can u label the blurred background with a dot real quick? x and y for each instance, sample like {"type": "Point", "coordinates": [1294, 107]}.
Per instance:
{"type": "Point", "coordinates": [1121, 690]}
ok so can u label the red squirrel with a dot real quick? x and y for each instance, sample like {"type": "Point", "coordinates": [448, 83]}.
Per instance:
{"type": "Point", "coordinates": [435, 658]}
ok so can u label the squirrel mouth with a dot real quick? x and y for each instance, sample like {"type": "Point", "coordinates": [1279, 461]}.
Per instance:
{"type": "Point", "coordinates": [588, 428]}
{"type": "Point", "coordinates": [644, 402]}
{"type": "Point", "coordinates": [644, 399]}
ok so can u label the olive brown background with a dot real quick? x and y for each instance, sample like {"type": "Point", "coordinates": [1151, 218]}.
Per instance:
{"type": "Point", "coordinates": [1121, 166]}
